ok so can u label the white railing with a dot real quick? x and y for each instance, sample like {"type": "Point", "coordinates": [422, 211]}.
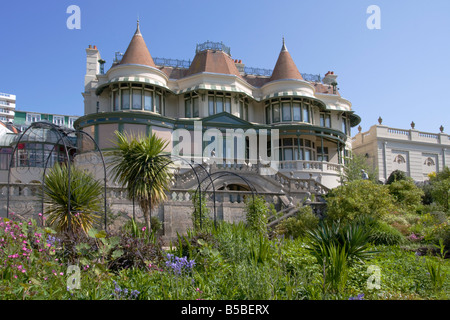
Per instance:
{"type": "Point", "coordinates": [428, 135]}
{"type": "Point", "coordinates": [304, 165]}
{"type": "Point", "coordinates": [398, 131]}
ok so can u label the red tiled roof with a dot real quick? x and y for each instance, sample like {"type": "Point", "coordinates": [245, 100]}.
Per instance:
{"type": "Point", "coordinates": [285, 67]}
{"type": "Point", "coordinates": [137, 51]}
{"type": "Point", "coordinates": [214, 61]}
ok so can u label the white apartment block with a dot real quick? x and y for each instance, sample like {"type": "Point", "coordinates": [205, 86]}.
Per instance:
{"type": "Point", "coordinates": [7, 107]}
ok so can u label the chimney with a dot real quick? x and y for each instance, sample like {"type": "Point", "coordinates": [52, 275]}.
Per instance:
{"type": "Point", "coordinates": [329, 78]}
{"type": "Point", "coordinates": [239, 65]}
{"type": "Point", "coordinates": [92, 65]}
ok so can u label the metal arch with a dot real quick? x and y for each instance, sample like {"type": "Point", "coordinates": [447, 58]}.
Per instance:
{"type": "Point", "coordinates": [62, 138]}
{"type": "Point", "coordinates": [32, 126]}
{"type": "Point", "coordinates": [198, 180]}
{"type": "Point", "coordinates": [225, 173]}
{"type": "Point", "coordinates": [68, 159]}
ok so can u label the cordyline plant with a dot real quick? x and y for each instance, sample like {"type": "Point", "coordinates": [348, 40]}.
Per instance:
{"type": "Point", "coordinates": [137, 163]}
{"type": "Point", "coordinates": [81, 212]}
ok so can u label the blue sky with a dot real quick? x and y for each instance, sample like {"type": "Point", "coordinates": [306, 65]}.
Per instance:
{"type": "Point", "coordinates": [399, 72]}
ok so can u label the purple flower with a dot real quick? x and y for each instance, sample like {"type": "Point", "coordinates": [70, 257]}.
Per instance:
{"type": "Point", "coordinates": [359, 297]}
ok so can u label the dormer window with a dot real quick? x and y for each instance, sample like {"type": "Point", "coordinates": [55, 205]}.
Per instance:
{"type": "Point", "coordinates": [218, 102]}
{"type": "Point", "coordinates": [191, 105]}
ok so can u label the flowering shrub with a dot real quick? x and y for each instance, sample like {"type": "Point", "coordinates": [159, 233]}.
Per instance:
{"type": "Point", "coordinates": [414, 238]}
{"type": "Point", "coordinates": [27, 254]}
{"type": "Point", "coordinates": [124, 294]}
{"type": "Point", "coordinates": [179, 265]}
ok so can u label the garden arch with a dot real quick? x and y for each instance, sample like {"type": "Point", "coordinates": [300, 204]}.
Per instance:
{"type": "Point", "coordinates": [57, 145]}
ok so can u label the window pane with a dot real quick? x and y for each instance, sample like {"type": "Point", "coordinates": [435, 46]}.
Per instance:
{"type": "Point", "coordinates": [288, 154]}
{"type": "Point", "coordinates": [116, 100]}
{"type": "Point", "coordinates": [228, 105]}
{"type": "Point", "coordinates": [322, 120]}
{"type": "Point", "coordinates": [241, 109]}
{"type": "Point", "coordinates": [196, 109]}
{"type": "Point", "coordinates": [126, 99]}
{"type": "Point", "coordinates": [297, 112]}
{"type": "Point", "coordinates": [187, 108]}
{"type": "Point", "coordinates": [148, 101]}
{"type": "Point", "coordinates": [219, 105]}
{"type": "Point", "coordinates": [137, 99]}
{"type": "Point", "coordinates": [286, 111]}
{"type": "Point", "coordinates": [158, 103]}
{"type": "Point", "coordinates": [211, 105]}
{"type": "Point", "coordinates": [287, 142]}
{"type": "Point", "coordinates": [276, 112]}
{"type": "Point", "coordinates": [307, 143]}
{"type": "Point", "coordinates": [307, 154]}
{"type": "Point", "coordinates": [246, 112]}
{"type": "Point", "coordinates": [267, 115]}
{"type": "Point", "coordinates": [328, 121]}
{"type": "Point", "coordinates": [306, 113]}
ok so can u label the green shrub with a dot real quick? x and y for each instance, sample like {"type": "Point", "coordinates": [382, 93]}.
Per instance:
{"type": "Point", "coordinates": [396, 175]}
{"type": "Point", "coordinates": [257, 212]}
{"type": "Point", "coordinates": [201, 214]}
{"type": "Point", "coordinates": [406, 194]}
{"type": "Point", "coordinates": [359, 198]}
{"type": "Point", "coordinates": [382, 233]}
{"type": "Point", "coordinates": [295, 227]}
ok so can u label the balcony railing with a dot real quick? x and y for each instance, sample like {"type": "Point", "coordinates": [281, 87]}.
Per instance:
{"type": "Point", "coordinates": [304, 165]}
{"type": "Point", "coordinates": [209, 45]}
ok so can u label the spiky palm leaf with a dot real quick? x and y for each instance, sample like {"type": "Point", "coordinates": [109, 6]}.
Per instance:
{"type": "Point", "coordinates": [85, 198]}
{"type": "Point", "coordinates": [136, 163]}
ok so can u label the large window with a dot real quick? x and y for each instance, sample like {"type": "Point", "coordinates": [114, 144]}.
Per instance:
{"type": "Point", "coordinates": [345, 127]}
{"type": "Point", "coordinates": [31, 117]}
{"type": "Point", "coordinates": [58, 120]}
{"type": "Point", "coordinates": [218, 102]}
{"type": "Point", "coordinates": [325, 120]}
{"type": "Point", "coordinates": [322, 156]}
{"type": "Point", "coordinates": [296, 149]}
{"type": "Point", "coordinates": [5, 158]}
{"type": "Point", "coordinates": [288, 110]}
{"type": "Point", "coordinates": [137, 97]}
{"type": "Point", "coordinates": [191, 105]}
{"type": "Point", "coordinates": [243, 109]}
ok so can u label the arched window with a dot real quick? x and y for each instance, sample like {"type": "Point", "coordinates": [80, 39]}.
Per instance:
{"type": "Point", "coordinates": [399, 159]}
{"type": "Point", "coordinates": [429, 162]}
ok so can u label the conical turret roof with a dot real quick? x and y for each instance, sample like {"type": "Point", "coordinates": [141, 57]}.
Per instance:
{"type": "Point", "coordinates": [137, 51]}
{"type": "Point", "coordinates": [285, 67]}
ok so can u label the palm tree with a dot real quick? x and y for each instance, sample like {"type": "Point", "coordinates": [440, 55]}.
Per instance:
{"type": "Point", "coordinates": [137, 162]}
{"type": "Point", "coordinates": [81, 212]}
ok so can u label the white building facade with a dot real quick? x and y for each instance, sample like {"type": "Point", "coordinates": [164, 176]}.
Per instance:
{"type": "Point", "coordinates": [414, 152]}
{"type": "Point", "coordinates": [7, 107]}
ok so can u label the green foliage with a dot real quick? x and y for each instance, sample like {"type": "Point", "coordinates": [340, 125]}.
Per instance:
{"type": "Point", "coordinates": [406, 193]}
{"type": "Point", "coordinates": [437, 274]}
{"type": "Point", "coordinates": [395, 176]}
{"type": "Point", "coordinates": [136, 163]}
{"type": "Point", "coordinates": [295, 227]}
{"type": "Point", "coordinates": [85, 199]}
{"type": "Point", "coordinates": [354, 165]}
{"type": "Point", "coordinates": [350, 236]}
{"type": "Point", "coordinates": [257, 213]}
{"type": "Point", "coordinates": [359, 198]}
{"type": "Point", "coordinates": [383, 234]}
{"type": "Point", "coordinates": [201, 215]}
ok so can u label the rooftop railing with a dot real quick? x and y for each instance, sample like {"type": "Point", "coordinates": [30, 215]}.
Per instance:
{"type": "Point", "coordinates": [209, 45]}
{"type": "Point", "coordinates": [185, 64]}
